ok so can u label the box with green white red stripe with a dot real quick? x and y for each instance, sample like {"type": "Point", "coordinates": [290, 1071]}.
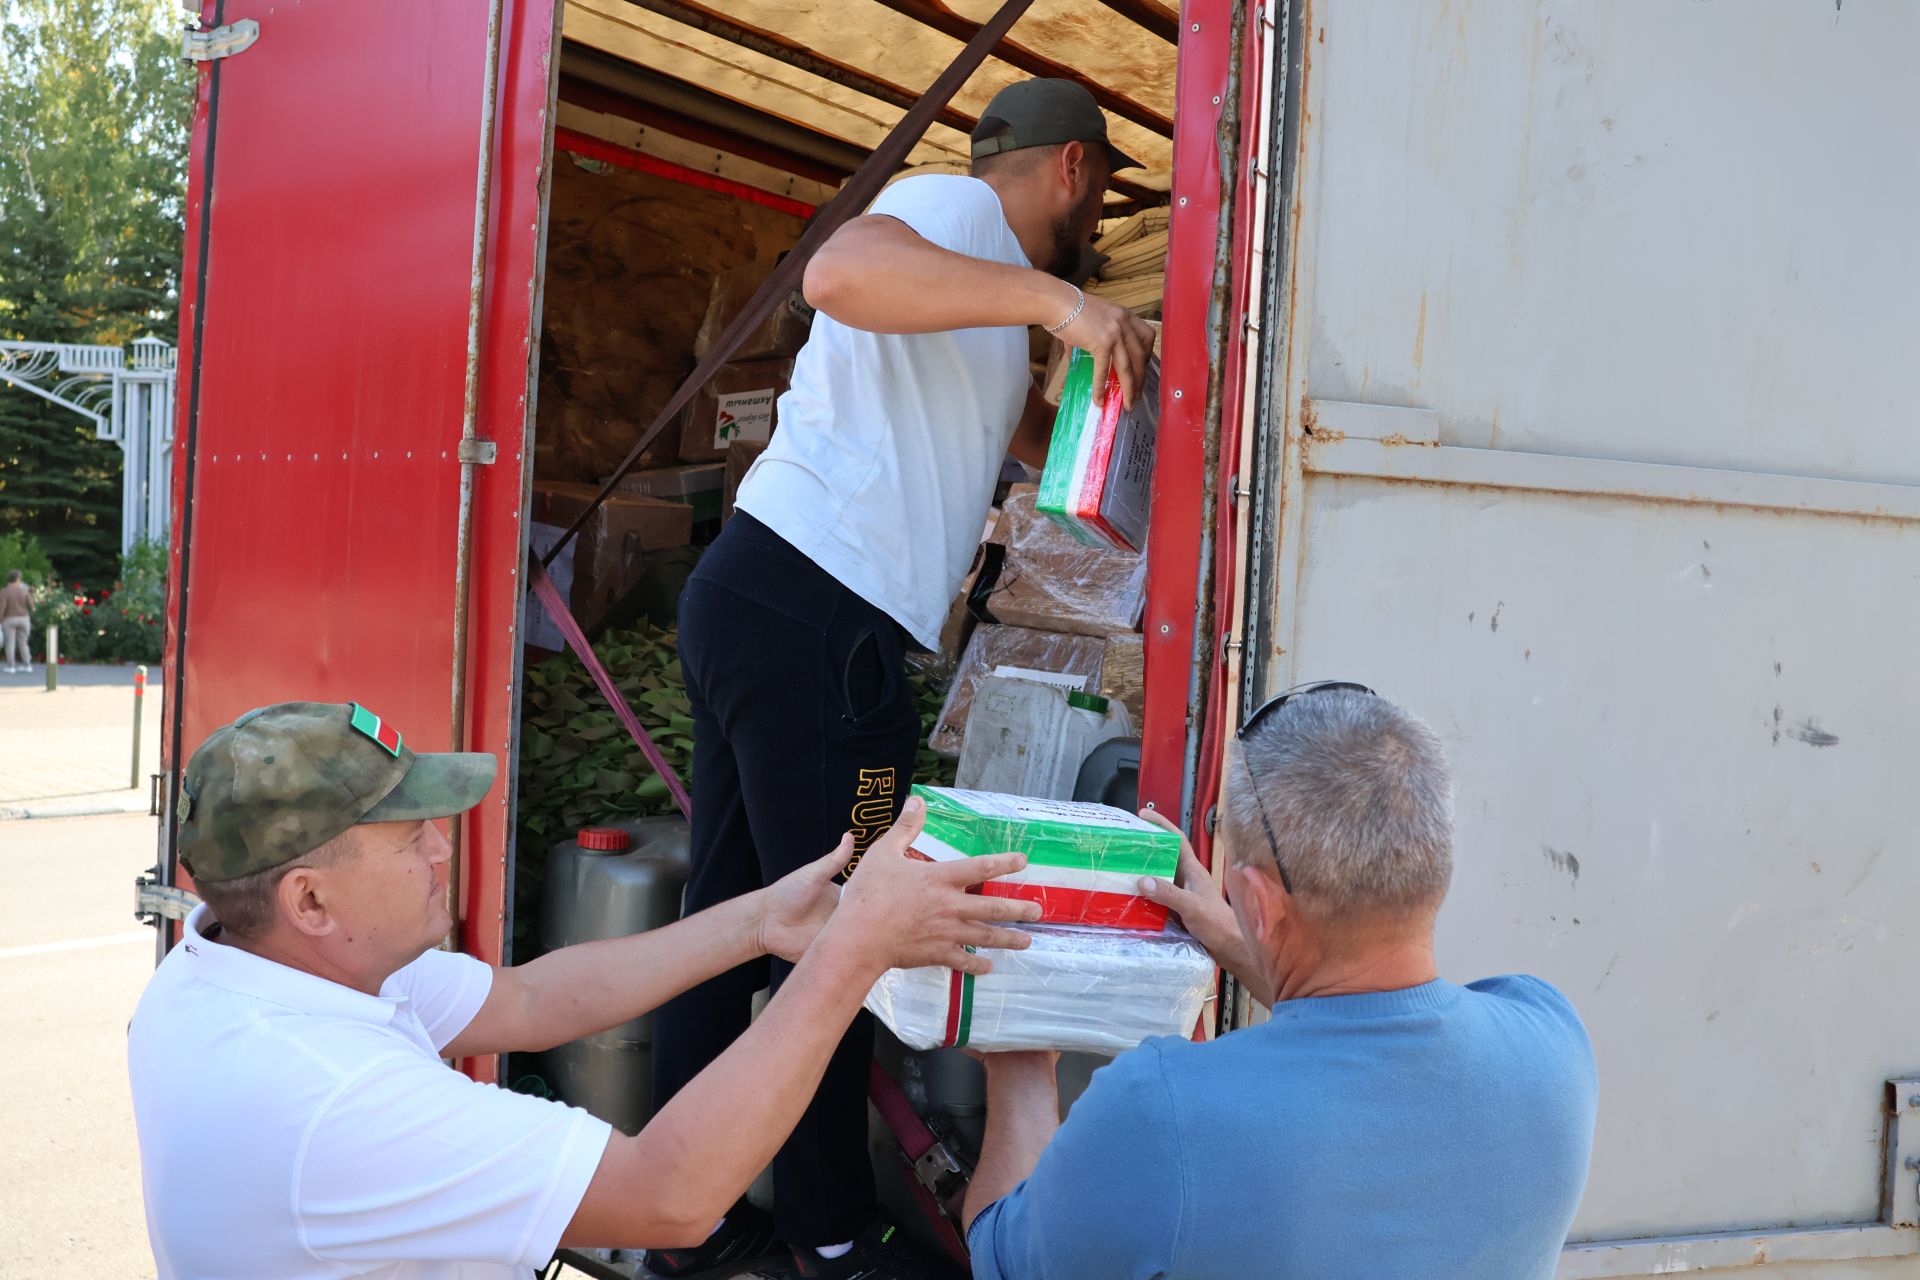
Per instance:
{"type": "Point", "coordinates": [1082, 989]}
{"type": "Point", "coordinates": [1098, 481]}
{"type": "Point", "coordinates": [1084, 861]}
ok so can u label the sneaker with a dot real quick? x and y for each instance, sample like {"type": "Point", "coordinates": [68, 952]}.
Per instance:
{"type": "Point", "coordinates": [881, 1252]}
{"type": "Point", "coordinates": [747, 1233]}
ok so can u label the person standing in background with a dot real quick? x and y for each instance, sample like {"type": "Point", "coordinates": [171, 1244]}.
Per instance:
{"type": "Point", "coordinates": [16, 620]}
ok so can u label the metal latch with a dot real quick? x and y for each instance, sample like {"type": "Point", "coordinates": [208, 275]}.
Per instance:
{"type": "Point", "coordinates": [219, 42]}
{"type": "Point", "coordinates": [482, 452]}
{"type": "Point", "coordinates": [938, 1170]}
{"type": "Point", "coordinates": [154, 902]}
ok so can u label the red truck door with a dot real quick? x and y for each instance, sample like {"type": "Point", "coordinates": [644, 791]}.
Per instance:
{"type": "Point", "coordinates": [330, 260]}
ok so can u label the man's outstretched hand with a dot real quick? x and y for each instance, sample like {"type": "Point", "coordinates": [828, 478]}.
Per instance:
{"type": "Point", "coordinates": [899, 911]}
{"type": "Point", "coordinates": [799, 904]}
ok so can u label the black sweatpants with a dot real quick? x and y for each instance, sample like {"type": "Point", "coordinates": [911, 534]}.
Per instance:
{"type": "Point", "coordinates": [803, 729]}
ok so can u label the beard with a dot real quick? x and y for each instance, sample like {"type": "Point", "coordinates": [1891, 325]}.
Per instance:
{"type": "Point", "coordinates": [1063, 259]}
{"type": "Point", "coordinates": [1068, 256]}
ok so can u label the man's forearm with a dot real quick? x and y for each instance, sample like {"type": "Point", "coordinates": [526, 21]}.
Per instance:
{"type": "Point", "coordinates": [1023, 1110]}
{"type": "Point", "coordinates": [696, 1157]}
{"type": "Point", "coordinates": [584, 989]}
{"type": "Point", "coordinates": [877, 274]}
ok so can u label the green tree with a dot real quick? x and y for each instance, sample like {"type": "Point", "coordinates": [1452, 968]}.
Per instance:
{"type": "Point", "coordinates": [94, 110]}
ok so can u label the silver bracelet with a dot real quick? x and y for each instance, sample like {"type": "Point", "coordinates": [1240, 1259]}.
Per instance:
{"type": "Point", "coordinates": [1078, 307]}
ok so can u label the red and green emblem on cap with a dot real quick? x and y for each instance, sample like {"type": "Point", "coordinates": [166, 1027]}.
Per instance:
{"type": "Point", "coordinates": [374, 727]}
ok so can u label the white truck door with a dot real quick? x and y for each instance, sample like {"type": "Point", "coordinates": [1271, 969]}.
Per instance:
{"type": "Point", "coordinates": [1587, 431]}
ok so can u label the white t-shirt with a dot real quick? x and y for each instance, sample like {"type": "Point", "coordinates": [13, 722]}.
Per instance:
{"type": "Point", "coordinates": [889, 444]}
{"type": "Point", "coordinates": [293, 1127]}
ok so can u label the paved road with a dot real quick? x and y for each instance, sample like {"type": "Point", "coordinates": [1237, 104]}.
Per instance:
{"type": "Point", "coordinates": [71, 751]}
{"type": "Point", "coordinates": [72, 964]}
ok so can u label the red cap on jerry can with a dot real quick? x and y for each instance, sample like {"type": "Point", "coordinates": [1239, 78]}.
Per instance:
{"type": "Point", "coordinates": [603, 839]}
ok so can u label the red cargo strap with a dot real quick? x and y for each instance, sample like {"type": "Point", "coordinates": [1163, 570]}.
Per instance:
{"type": "Point", "coordinates": [915, 1140]}
{"type": "Point", "coordinates": [861, 188]}
{"type": "Point", "coordinates": [577, 641]}
{"type": "Point", "coordinates": [908, 1128]}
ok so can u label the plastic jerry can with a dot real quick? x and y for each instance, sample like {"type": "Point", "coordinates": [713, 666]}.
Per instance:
{"type": "Point", "coordinates": [1028, 738]}
{"type": "Point", "coordinates": [609, 882]}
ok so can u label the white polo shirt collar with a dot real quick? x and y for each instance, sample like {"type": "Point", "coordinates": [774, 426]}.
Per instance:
{"type": "Point", "coordinates": [244, 973]}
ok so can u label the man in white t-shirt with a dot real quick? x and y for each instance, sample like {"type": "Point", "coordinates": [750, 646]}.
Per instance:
{"type": "Point", "coordinates": [295, 1118]}
{"type": "Point", "coordinates": [850, 537]}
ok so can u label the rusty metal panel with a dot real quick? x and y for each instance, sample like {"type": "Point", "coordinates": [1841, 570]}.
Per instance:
{"type": "Point", "coordinates": [1591, 446]}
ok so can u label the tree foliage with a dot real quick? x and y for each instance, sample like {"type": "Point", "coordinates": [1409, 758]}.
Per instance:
{"type": "Point", "coordinates": [94, 110]}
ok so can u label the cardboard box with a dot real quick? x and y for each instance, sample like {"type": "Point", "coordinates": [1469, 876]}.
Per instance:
{"type": "Point", "coordinates": [739, 402]}
{"type": "Point", "coordinates": [1123, 675]}
{"type": "Point", "coordinates": [782, 333]}
{"type": "Point", "coordinates": [741, 455]}
{"type": "Point", "coordinates": [610, 552]}
{"type": "Point", "coordinates": [698, 485]}
{"type": "Point", "coordinates": [1098, 484]}
{"type": "Point", "coordinates": [1051, 582]}
{"type": "Point", "coordinates": [1072, 661]}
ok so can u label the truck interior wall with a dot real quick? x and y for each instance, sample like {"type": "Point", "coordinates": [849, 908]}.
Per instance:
{"type": "Point", "coordinates": [631, 259]}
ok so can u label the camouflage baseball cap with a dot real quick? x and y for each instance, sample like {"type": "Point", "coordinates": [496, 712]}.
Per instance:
{"type": "Point", "coordinates": [283, 780]}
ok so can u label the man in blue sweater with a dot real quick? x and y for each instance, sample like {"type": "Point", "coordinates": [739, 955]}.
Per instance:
{"type": "Point", "coordinates": [1384, 1125]}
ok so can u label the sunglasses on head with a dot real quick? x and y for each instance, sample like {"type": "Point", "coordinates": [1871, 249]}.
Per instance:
{"type": "Point", "coordinates": [1261, 713]}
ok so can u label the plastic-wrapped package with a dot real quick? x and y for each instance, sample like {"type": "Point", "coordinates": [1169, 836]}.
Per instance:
{"type": "Point", "coordinates": [1029, 738]}
{"type": "Point", "coordinates": [1084, 861]}
{"type": "Point", "coordinates": [1068, 660]}
{"type": "Point", "coordinates": [1086, 990]}
{"type": "Point", "coordinates": [1098, 482]}
{"type": "Point", "coordinates": [1050, 581]}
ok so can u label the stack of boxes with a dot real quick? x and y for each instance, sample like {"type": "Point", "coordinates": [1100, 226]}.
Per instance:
{"type": "Point", "coordinates": [1040, 603]}
{"type": "Point", "coordinates": [682, 502]}
{"type": "Point", "coordinates": [734, 415]}
{"type": "Point", "coordinates": [1106, 968]}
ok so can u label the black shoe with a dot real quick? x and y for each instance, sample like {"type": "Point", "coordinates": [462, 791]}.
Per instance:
{"type": "Point", "coordinates": [881, 1252]}
{"type": "Point", "coordinates": [747, 1233]}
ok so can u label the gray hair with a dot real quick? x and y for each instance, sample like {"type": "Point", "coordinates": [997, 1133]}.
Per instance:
{"type": "Point", "coordinates": [1359, 798]}
{"type": "Point", "coordinates": [244, 905]}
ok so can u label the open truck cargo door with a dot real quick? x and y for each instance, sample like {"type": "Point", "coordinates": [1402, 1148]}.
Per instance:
{"type": "Point", "coordinates": [1585, 436]}
{"type": "Point", "coordinates": [337, 168]}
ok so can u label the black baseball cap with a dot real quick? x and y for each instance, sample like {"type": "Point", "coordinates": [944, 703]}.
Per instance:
{"type": "Point", "coordinates": [1044, 113]}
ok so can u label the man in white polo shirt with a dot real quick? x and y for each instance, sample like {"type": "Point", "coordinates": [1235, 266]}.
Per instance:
{"type": "Point", "coordinates": [849, 539]}
{"type": "Point", "coordinates": [295, 1117]}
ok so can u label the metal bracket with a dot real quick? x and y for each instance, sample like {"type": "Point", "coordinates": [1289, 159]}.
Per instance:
{"type": "Point", "coordinates": [937, 1169]}
{"type": "Point", "coordinates": [482, 452]}
{"type": "Point", "coordinates": [219, 42]}
{"type": "Point", "coordinates": [154, 902]}
{"type": "Point", "coordinates": [1903, 1153]}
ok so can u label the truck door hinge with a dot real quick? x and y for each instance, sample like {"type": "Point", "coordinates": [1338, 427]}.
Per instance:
{"type": "Point", "coordinates": [154, 902]}
{"type": "Point", "coordinates": [219, 42]}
